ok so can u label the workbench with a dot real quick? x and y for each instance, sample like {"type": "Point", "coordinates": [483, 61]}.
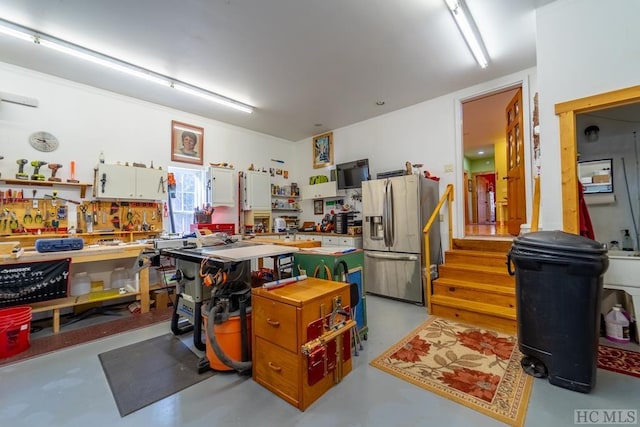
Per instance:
{"type": "Point", "coordinates": [83, 257]}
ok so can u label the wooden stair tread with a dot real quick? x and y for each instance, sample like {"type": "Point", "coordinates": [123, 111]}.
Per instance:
{"type": "Point", "coordinates": [475, 267]}
{"type": "Point", "coordinates": [487, 245]}
{"type": "Point", "coordinates": [498, 289]}
{"type": "Point", "coordinates": [474, 253]}
{"type": "Point", "coordinates": [478, 307]}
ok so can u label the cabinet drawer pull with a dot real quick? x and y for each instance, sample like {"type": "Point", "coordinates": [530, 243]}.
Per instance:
{"type": "Point", "coordinates": [274, 367]}
{"type": "Point", "coordinates": [273, 322]}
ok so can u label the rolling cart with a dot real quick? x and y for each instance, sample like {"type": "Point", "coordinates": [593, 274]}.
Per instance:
{"type": "Point", "coordinates": [321, 263]}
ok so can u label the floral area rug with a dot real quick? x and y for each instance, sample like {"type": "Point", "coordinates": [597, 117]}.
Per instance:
{"type": "Point", "coordinates": [619, 360]}
{"type": "Point", "coordinates": [475, 367]}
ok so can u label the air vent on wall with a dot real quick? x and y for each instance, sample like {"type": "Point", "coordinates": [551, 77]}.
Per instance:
{"type": "Point", "coordinates": [18, 99]}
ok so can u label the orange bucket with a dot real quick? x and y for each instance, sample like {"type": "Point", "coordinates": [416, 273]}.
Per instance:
{"type": "Point", "coordinates": [229, 339]}
{"type": "Point", "coordinates": [15, 326]}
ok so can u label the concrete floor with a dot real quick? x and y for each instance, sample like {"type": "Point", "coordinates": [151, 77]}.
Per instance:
{"type": "Point", "coordinates": [68, 388]}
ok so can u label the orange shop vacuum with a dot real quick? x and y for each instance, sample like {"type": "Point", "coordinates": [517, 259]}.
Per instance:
{"type": "Point", "coordinates": [227, 322]}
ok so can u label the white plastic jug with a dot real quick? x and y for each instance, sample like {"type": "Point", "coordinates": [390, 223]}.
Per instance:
{"type": "Point", "coordinates": [617, 325]}
{"type": "Point", "coordinates": [80, 284]}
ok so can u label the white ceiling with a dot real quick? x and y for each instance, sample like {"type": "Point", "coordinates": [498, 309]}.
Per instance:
{"type": "Point", "coordinates": [308, 66]}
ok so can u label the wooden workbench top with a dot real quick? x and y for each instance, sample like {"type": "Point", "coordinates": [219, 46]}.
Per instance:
{"type": "Point", "coordinates": [298, 243]}
{"type": "Point", "coordinates": [87, 254]}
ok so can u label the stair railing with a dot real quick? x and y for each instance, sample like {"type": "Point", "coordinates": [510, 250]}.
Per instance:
{"type": "Point", "coordinates": [446, 197]}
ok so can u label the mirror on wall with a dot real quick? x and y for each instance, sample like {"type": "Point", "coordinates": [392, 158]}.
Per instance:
{"type": "Point", "coordinates": [596, 176]}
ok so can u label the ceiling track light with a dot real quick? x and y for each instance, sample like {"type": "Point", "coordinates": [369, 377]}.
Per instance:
{"type": "Point", "coordinates": [71, 49]}
{"type": "Point", "coordinates": [469, 31]}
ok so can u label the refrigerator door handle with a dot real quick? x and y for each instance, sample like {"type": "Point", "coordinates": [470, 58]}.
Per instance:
{"type": "Point", "coordinates": [387, 213]}
{"type": "Point", "coordinates": [389, 256]}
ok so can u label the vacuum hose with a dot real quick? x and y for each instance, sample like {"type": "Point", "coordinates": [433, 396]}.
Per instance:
{"type": "Point", "coordinates": [241, 367]}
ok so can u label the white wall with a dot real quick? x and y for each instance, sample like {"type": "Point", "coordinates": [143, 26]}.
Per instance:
{"type": "Point", "coordinates": [584, 47]}
{"type": "Point", "coordinates": [87, 120]}
{"type": "Point", "coordinates": [424, 133]}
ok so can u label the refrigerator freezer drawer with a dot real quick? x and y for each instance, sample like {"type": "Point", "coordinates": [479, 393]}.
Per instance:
{"type": "Point", "coordinates": [394, 275]}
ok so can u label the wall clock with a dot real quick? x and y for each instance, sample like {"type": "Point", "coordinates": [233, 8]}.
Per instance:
{"type": "Point", "coordinates": [43, 141]}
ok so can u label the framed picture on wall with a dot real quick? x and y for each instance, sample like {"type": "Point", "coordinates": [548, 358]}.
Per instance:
{"type": "Point", "coordinates": [187, 143]}
{"type": "Point", "coordinates": [323, 150]}
{"type": "Point", "coordinates": [318, 207]}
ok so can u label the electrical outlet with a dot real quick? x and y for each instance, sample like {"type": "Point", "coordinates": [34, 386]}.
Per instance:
{"type": "Point", "coordinates": [448, 168]}
{"type": "Point", "coordinates": [441, 217]}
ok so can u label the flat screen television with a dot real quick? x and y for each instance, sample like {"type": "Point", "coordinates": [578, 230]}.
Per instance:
{"type": "Point", "coordinates": [351, 174]}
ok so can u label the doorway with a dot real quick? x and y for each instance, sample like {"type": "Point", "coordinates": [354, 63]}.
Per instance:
{"type": "Point", "coordinates": [567, 113]}
{"type": "Point", "coordinates": [484, 121]}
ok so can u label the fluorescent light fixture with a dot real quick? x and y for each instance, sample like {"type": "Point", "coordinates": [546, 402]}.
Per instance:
{"type": "Point", "coordinates": [467, 27]}
{"type": "Point", "coordinates": [209, 96]}
{"type": "Point", "coordinates": [481, 152]}
{"type": "Point", "coordinates": [68, 48]}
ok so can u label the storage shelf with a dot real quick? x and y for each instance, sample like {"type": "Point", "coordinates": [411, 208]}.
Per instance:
{"type": "Point", "coordinates": [31, 182]}
{"type": "Point", "coordinates": [285, 196]}
{"type": "Point", "coordinates": [285, 210]}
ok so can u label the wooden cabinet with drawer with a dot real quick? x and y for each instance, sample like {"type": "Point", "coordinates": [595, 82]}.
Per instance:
{"type": "Point", "coordinates": [283, 321]}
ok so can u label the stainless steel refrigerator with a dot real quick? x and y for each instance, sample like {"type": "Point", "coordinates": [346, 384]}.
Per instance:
{"type": "Point", "coordinates": [394, 212]}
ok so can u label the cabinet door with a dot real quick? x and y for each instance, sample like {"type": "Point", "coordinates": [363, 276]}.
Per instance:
{"type": "Point", "coordinates": [223, 186]}
{"type": "Point", "coordinates": [319, 191]}
{"type": "Point", "coordinates": [116, 182]}
{"type": "Point", "coordinates": [257, 190]}
{"type": "Point", "coordinates": [151, 184]}
{"type": "Point", "coordinates": [330, 241]}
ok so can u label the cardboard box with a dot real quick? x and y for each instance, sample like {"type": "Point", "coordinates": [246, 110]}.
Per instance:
{"type": "Point", "coordinates": [586, 180]}
{"type": "Point", "coordinates": [161, 297]}
{"type": "Point", "coordinates": [601, 179]}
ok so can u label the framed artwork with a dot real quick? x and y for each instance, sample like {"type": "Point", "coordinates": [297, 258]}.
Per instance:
{"type": "Point", "coordinates": [318, 207]}
{"type": "Point", "coordinates": [187, 143]}
{"type": "Point", "coordinates": [323, 150]}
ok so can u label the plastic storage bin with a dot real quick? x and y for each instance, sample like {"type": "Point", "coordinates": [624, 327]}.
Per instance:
{"type": "Point", "coordinates": [119, 278]}
{"type": "Point", "coordinates": [558, 295]}
{"type": "Point", "coordinates": [81, 284]}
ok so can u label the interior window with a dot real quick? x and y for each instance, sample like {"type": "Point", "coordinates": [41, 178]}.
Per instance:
{"type": "Point", "coordinates": [190, 193]}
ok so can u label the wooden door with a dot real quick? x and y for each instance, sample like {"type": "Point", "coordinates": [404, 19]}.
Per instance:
{"type": "Point", "coordinates": [466, 198]}
{"type": "Point", "coordinates": [516, 203]}
{"type": "Point", "coordinates": [483, 202]}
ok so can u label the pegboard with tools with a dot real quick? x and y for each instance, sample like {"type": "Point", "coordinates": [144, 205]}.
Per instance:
{"type": "Point", "coordinates": [105, 216]}
{"type": "Point", "coordinates": [23, 212]}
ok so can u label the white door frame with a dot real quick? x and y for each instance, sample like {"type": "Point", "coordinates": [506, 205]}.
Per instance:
{"type": "Point", "coordinates": [510, 82]}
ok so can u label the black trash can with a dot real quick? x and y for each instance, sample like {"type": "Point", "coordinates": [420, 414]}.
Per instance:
{"type": "Point", "coordinates": [558, 293]}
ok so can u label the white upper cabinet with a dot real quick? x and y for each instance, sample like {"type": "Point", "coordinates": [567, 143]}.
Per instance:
{"type": "Point", "coordinates": [319, 191]}
{"type": "Point", "coordinates": [222, 186]}
{"type": "Point", "coordinates": [257, 190]}
{"type": "Point", "coordinates": [129, 182]}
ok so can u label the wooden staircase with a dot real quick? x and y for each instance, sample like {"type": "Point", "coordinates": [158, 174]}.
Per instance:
{"type": "Point", "coordinates": [474, 286]}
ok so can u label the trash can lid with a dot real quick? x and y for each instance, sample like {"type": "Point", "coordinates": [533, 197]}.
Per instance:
{"type": "Point", "coordinates": [559, 241]}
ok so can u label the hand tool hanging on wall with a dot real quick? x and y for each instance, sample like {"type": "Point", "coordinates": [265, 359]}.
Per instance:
{"type": "Point", "coordinates": [13, 224]}
{"type": "Point", "coordinates": [55, 197]}
{"type": "Point", "coordinates": [27, 219]}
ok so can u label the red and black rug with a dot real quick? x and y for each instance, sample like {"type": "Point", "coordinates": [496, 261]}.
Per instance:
{"type": "Point", "coordinates": [619, 360]}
